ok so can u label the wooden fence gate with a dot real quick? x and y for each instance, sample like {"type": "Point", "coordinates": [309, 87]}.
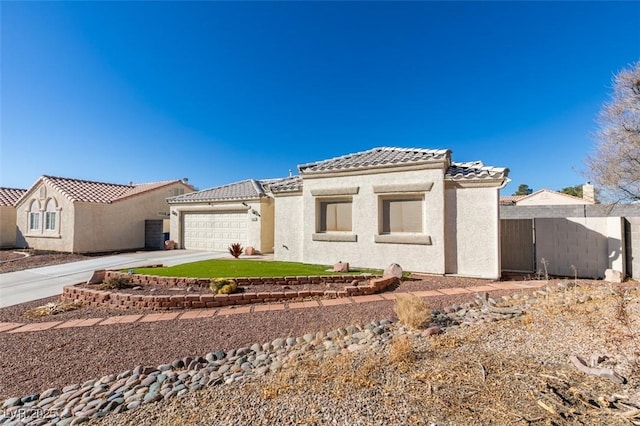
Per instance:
{"type": "Point", "coordinates": [517, 245]}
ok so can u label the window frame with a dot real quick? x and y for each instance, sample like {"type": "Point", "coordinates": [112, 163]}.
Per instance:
{"type": "Point", "coordinates": [385, 233]}
{"type": "Point", "coordinates": [32, 216]}
{"type": "Point", "coordinates": [322, 231]}
{"type": "Point", "coordinates": [50, 219]}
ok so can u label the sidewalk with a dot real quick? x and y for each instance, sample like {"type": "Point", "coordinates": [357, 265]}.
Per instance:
{"type": "Point", "coordinates": [13, 327]}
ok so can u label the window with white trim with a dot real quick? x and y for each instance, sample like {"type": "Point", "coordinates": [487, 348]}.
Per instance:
{"type": "Point", "coordinates": [51, 215]}
{"type": "Point", "coordinates": [34, 216]}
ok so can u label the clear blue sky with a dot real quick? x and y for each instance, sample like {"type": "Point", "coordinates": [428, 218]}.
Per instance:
{"type": "Point", "coordinates": [219, 92]}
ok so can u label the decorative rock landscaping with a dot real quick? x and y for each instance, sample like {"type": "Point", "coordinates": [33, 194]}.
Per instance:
{"type": "Point", "coordinates": [94, 297]}
{"type": "Point", "coordinates": [130, 389]}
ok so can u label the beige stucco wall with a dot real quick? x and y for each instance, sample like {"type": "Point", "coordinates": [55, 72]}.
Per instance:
{"type": "Point", "coordinates": [267, 225]}
{"type": "Point", "coordinates": [7, 226]}
{"type": "Point", "coordinates": [547, 198]}
{"type": "Point", "coordinates": [288, 228]}
{"type": "Point", "coordinates": [59, 240]}
{"type": "Point", "coordinates": [366, 252]}
{"type": "Point", "coordinates": [259, 226]}
{"type": "Point", "coordinates": [120, 225]}
{"type": "Point", "coordinates": [589, 244]}
{"type": "Point", "coordinates": [472, 231]}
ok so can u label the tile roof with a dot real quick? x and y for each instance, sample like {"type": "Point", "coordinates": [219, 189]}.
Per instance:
{"type": "Point", "coordinates": [79, 190]}
{"type": "Point", "coordinates": [249, 189]}
{"type": "Point", "coordinates": [510, 200]}
{"type": "Point", "coordinates": [376, 157]}
{"type": "Point", "coordinates": [9, 196]}
{"type": "Point", "coordinates": [474, 170]}
{"type": "Point", "coordinates": [283, 185]}
{"type": "Point", "coordinates": [550, 191]}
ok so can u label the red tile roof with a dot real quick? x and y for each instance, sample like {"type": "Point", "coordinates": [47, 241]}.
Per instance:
{"type": "Point", "coordinates": [79, 190]}
{"type": "Point", "coordinates": [9, 196]}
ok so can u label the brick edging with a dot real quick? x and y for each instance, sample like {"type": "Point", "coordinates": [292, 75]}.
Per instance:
{"type": "Point", "coordinates": [91, 297]}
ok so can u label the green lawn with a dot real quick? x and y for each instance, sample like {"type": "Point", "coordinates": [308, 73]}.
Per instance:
{"type": "Point", "coordinates": [229, 268]}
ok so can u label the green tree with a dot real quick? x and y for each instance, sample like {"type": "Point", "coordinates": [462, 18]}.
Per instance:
{"type": "Point", "coordinates": [614, 165]}
{"type": "Point", "coordinates": [523, 189]}
{"type": "Point", "coordinates": [576, 191]}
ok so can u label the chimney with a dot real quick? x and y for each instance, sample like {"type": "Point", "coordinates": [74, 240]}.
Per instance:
{"type": "Point", "coordinates": [589, 193]}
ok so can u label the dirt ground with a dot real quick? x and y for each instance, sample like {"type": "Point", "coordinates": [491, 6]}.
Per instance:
{"type": "Point", "coordinates": [18, 260]}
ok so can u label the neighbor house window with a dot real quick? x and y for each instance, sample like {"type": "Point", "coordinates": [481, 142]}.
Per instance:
{"type": "Point", "coordinates": [50, 221]}
{"type": "Point", "coordinates": [34, 216]}
{"type": "Point", "coordinates": [335, 216]}
{"type": "Point", "coordinates": [402, 215]}
{"type": "Point", "coordinates": [50, 216]}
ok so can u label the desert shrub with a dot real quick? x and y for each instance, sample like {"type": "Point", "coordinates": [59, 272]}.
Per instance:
{"type": "Point", "coordinates": [223, 286]}
{"type": "Point", "coordinates": [115, 283]}
{"type": "Point", "coordinates": [412, 310]}
{"type": "Point", "coordinates": [51, 308]}
{"type": "Point", "coordinates": [235, 249]}
{"type": "Point", "coordinates": [402, 353]}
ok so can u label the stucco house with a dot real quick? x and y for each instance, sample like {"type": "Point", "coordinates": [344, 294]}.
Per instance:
{"type": "Point", "coordinates": [73, 215]}
{"type": "Point", "coordinates": [548, 197]}
{"type": "Point", "coordinates": [8, 199]}
{"type": "Point", "coordinates": [415, 207]}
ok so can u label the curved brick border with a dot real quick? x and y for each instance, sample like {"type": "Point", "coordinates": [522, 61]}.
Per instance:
{"type": "Point", "coordinates": [92, 297]}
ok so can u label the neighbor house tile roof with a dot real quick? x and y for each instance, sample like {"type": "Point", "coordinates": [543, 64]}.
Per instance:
{"type": "Point", "coordinates": [376, 157]}
{"type": "Point", "coordinates": [510, 200]}
{"type": "Point", "coordinates": [86, 191]}
{"type": "Point", "coordinates": [10, 196]}
{"type": "Point", "coordinates": [474, 170]}
{"type": "Point", "coordinates": [249, 189]}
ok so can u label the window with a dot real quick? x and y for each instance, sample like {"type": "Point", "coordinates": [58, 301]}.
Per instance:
{"type": "Point", "coordinates": [34, 221]}
{"type": "Point", "coordinates": [401, 220]}
{"type": "Point", "coordinates": [334, 221]}
{"type": "Point", "coordinates": [50, 221]}
{"type": "Point", "coordinates": [50, 216]}
{"type": "Point", "coordinates": [402, 215]}
{"type": "Point", "coordinates": [335, 216]}
{"type": "Point", "coordinates": [34, 216]}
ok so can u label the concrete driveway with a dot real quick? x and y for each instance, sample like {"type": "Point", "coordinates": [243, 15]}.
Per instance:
{"type": "Point", "coordinates": [32, 284]}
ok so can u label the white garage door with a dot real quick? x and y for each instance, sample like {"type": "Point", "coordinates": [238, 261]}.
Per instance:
{"type": "Point", "coordinates": [214, 231]}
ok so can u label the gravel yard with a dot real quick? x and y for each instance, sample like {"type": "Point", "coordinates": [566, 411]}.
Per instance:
{"type": "Point", "coordinates": [508, 372]}
{"type": "Point", "coordinates": [61, 356]}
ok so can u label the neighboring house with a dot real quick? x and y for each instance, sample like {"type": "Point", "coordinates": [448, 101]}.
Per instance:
{"type": "Point", "coordinates": [414, 207]}
{"type": "Point", "coordinates": [8, 199]}
{"type": "Point", "coordinates": [547, 197]}
{"type": "Point", "coordinates": [81, 216]}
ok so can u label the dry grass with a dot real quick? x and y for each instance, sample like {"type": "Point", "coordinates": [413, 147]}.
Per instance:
{"type": "Point", "coordinates": [51, 308]}
{"type": "Point", "coordinates": [514, 372]}
{"type": "Point", "coordinates": [412, 310]}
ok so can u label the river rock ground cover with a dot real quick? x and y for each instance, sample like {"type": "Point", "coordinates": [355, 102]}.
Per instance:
{"type": "Point", "coordinates": [515, 371]}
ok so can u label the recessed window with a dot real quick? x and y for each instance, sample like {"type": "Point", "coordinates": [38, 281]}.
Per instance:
{"type": "Point", "coordinates": [34, 221]}
{"type": "Point", "coordinates": [34, 216]}
{"type": "Point", "coordinates": [50, 221]}
{"type": "Point", "coordinates": [50, 216]}
{"type": "Point", "coordinates": [335, 216]}
{"type": "Point", "coordinates": [402, 215]}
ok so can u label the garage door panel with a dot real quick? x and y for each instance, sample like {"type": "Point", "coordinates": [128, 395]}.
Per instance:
{"type": "Point", "coordinates": [214, 231]}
